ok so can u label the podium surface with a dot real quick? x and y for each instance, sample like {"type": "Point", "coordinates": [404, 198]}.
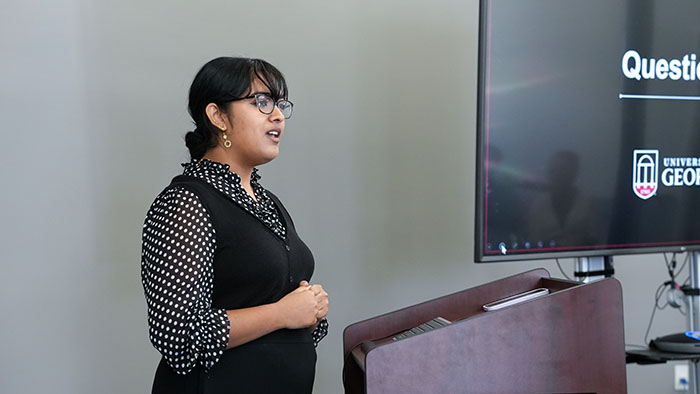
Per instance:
{"type": "Point", "coordinates": [570, 341]}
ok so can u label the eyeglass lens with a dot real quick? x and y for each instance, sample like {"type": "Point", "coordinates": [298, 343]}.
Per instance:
{"type": "Point", "coordinates": [266, 105]}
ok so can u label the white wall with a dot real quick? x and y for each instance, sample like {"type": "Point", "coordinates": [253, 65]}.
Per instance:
{"type": "Point", "coordinates": [377, 171]}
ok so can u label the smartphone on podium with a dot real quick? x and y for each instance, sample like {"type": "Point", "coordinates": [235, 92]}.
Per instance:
{"type": "Point", "coordinates": [516, 299]}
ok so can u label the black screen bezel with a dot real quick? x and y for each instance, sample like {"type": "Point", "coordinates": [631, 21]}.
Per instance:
{"type": "Point", "coordinates": [480, 255]}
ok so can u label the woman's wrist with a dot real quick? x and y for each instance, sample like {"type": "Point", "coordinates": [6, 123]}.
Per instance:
{"type": "Point", "coordinates": [279, 318]}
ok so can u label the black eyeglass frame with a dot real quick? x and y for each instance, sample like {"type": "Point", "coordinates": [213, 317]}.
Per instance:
{"type": "Point", "coordinates": [277, 103]}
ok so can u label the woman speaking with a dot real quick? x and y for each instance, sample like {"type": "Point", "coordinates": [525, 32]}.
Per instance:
{"type": "Point", "coordinates": [225, 275]}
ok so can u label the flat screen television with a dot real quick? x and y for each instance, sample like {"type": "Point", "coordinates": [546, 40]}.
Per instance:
{"type": "Point", "coordinates": [588, 135]}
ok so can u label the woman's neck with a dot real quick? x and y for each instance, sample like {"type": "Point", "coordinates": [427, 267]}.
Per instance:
{"type": "Point", "coordinates": [243, 171]}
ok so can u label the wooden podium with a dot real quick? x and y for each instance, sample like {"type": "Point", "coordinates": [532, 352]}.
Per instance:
{"type": "Point", "coordinates": [570, 341]}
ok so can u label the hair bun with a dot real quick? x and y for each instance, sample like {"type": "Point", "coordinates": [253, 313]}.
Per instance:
{"type": "Point", "coordinates": [196, 143]}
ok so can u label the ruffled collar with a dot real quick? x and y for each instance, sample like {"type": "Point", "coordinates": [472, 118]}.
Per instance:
{"type": "Point", "coordinates": [205, 168]}
{"type": "Point", "coordinates": [220, 176]}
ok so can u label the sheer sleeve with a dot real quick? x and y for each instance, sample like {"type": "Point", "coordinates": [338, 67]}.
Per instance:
{"type": "Point", "coordinates": [177, 276]}
{"type": "Point", "coordinates": [320, 331]}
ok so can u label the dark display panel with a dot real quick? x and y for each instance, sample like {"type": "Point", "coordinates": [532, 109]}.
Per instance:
{"type": "Point", "coordinates": [588, 128]}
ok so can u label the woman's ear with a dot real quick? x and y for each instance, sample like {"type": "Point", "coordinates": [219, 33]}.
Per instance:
{"type": "Point", "coordinates": [216, 116]}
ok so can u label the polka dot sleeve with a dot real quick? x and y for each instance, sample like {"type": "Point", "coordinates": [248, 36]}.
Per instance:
{"type": "Point", "coordinates": [320, 332]}
{"type": "Point", "coordinates": [177, 273]}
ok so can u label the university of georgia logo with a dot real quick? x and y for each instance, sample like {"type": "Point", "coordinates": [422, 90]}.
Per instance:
{"type": "Point", "coordinates": [645, 173]}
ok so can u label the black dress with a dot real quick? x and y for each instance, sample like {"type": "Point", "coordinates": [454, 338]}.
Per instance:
{"type": "Point", "coordinates": [209, 247]}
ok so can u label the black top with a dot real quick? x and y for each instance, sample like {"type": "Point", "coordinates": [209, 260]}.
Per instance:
{"type": "Point", "coordinates": [208, 247]}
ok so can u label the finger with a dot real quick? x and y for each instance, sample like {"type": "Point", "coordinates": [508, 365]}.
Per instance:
{"type": "Point", "coordinates": [300, 289]}
{"type": "Point", "coordinates": [304, 283]}
{"type": "Point", "coordinates": [321, 295]}
{"type": "Point", "coordinates": [317, 289]}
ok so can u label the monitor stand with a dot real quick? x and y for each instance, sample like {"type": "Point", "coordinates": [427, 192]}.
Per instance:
{"type": "Point", "coordinates": [589, 269]}
{"type": "Point", "coordinates": [693, 294]}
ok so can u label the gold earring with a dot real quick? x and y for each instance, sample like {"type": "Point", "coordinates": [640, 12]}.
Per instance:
{"type": "Point", "coordinates": [227, 143]}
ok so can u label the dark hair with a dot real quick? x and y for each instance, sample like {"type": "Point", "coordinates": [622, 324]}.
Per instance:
{"type": "Point", "coordinates": [220, 81]}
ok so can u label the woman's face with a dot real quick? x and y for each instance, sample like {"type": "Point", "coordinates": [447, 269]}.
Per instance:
{"type": "Point", "coordinates": [255, 137]}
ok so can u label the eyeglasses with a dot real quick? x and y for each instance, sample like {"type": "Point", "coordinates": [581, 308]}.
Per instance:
{"type": "Point", "coordinates": [266, 104]}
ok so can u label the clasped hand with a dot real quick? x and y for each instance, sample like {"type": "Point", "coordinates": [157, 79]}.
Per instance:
{"type": "Point", "coordinates": [305, 305]}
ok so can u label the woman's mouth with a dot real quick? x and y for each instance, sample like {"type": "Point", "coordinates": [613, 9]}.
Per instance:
{"type": "Point", "coordinates": [274, 135]}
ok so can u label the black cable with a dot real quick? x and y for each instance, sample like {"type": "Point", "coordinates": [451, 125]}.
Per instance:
{"type": "Point", "coordinates": [685, 261]}
{"type": "Point", "coordinates": [671, 267]}
{"type": "Point", "coordinates": [657, 296]}
{"type": "Point", "coordinates": [562, 270]}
